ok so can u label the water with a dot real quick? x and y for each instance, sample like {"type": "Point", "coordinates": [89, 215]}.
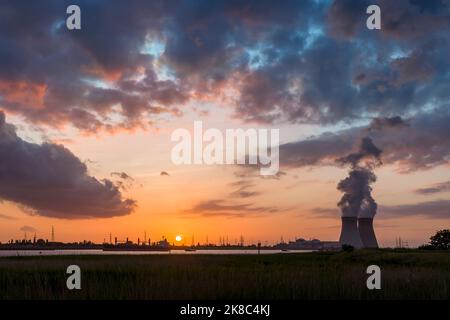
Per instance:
{"type": "Point", "coordinates": [23, 253]}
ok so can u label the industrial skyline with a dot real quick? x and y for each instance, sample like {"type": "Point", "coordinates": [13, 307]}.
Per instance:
{"type": "Point", "coordinates": [358, 233]}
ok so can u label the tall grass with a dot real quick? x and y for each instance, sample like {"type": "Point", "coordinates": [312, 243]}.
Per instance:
{"type": "Point", "coordinates": [405, 275]}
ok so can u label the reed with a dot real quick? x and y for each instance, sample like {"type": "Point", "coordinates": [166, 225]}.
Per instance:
{"type": "Point", "coordinates": [406, 274]}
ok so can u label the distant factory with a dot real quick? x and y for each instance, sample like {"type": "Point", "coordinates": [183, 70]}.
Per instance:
{"type": "Point", "coordinates": [313, 244]}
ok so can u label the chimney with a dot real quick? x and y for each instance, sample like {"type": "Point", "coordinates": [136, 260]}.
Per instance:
{"type": "Point", "coordinates": [366, 232]}
{"type": "Point", "coordinates": [349, 232]}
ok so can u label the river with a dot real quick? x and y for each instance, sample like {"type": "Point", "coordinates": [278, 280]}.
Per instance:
{"type": "Point", "coordinates": [15, 253]}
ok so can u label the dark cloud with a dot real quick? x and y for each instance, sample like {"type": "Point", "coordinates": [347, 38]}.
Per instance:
{"type": "Point", "coordinates": [433, 16]}
{"type": "Point", "coordinates": [220, 208]}
{"type": "Point", "coordinates": [400, 19]}
{"type": "Point", "coordinates": [415, 67]}
{"type": "Point", "coordinates": [332, 80]}
{"type": "Point", "coordinates": [378, 124]}
{"type": "Point", "coordinates": [436, 188]}
{"type": "Point", "coordinates": [164, 173]}
{"type": "Point", "coordinates": [293, 88]}
{"type": "Point", "coordinates": [94, 78]}
{"type": "Point", "coordinates": [319, 150]}
{"type": "Point", "coordinates": [51, 181]}
{"type": "Point", "coordinates": [124, 181]}
{"type": "Point", "coordinates": [437, 209]}
{"type": "Point", "coordinates": [346, 17]}
{"type": "Point", "coordinates": [367, 151]}
{"type": "Point", "coordinates": [298, 61]}
{"type": "Point", "coordinates": [422, 144]}
{"type": "Point", "coordinates": [122, 175]}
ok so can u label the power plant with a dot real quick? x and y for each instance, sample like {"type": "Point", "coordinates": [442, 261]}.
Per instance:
{"type": "Point", "coordinates": [366, 232]}
{"type": "Point", "coordinates": [349, 232]}
{"type": "Point", "coordinates": [357, 204]}
{"type": "Point", "coordinates": [358, 232]}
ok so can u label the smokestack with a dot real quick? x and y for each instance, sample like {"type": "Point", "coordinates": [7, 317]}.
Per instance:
{"type": "Point", "coordinates": [349, 233]}
{"type": "Point", "coordinates": [366, 232]}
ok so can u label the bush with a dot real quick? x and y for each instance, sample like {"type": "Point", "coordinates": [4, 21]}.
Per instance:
{"type": "Point", "coordinates": [347, 248]}
{"type": "Point", "coordinates": [426, 247]}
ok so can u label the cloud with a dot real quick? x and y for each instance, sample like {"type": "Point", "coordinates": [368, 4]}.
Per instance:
{"type": "Point", "coordinates": [51, 181]}
{"type": "Point", "coordinates": [27, 229]}
{"type": "Point", "coordinates": [298, 61]}
{"type": "Point", "coordinates": [436, 188]}
{"type": "Point", "coordinates": [422, 144]}
{"type": "Point", "coordinates": [432, 16]}
{"type": "Point", "coordinates": [124, 181]}
{"type": "Point", "coordinates": [164, 173]}
{"type": "Point", "coordinates": [87, 78]}
{"type": "Point", "coordinates": [364, 74]}
{"type": "Point", "coordinates": [6, 217]}
{"type": "Point", "coordinates": [326, 212]}
{"type": "Point", "coordinates": [244, 193]}
{"type": "Point", "coordinates": [122, 175]}
{"type": "Point", "coordinates": [346, 19]}
{"type": "Point", "coordinates": [250, 172]}
{"type": "Point", "coordinates": [220, 208]}
{"type": "Point", "coordinates": [382, 123]}
{"type": "Point", "coordinates": [244, 189]}
{"type": "Point", "coordinates": [437, 209]}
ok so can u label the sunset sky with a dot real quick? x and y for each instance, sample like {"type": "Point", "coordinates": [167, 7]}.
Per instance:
{"type": "Point", "coordinates": [86, 117]}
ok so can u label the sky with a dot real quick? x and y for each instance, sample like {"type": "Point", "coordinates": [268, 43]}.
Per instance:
{"type": "Point", "coordinates": [86, 117]}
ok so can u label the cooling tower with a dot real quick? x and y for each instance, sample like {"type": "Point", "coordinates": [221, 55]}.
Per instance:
{"type": "Point", "coordinates": [366, 232]}
{"type": "Point", "coordinates": [350, 233]}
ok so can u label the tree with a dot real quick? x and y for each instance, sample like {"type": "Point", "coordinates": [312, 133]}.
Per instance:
{"type": "Point", "coordinates": [441, 240]}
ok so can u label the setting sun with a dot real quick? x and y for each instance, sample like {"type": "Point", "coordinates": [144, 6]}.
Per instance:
{"type": "Point", "coordinates": [178, 238]}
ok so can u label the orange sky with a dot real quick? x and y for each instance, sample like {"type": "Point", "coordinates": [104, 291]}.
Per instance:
{"type": "Point", "coordinates": [165, 202]}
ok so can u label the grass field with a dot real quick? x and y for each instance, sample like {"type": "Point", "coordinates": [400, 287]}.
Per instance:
{"type": "Point", "coordinates": [405, 274]}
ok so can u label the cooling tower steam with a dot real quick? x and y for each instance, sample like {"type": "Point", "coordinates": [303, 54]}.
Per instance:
{"type": "Point", "coordinates": [356, 188]}
{"type": "Point", "coordinates": [368, 156]}
{"type": "Point", "coordinates": [357, 203]}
